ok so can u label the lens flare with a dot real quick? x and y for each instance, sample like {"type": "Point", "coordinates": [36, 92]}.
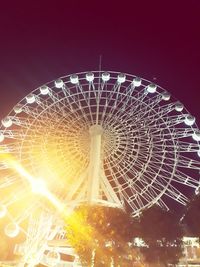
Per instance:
{"type": "Point", "coordinates": [38, 185]}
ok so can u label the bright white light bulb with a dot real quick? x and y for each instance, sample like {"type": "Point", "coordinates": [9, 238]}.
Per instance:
{"type": "Point", "coordinates": [39, 186]}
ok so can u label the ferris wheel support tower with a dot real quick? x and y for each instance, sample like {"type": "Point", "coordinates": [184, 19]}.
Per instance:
{"type": "Point", "coordinates": [95, 162]}
{"type": "Point", "coordinates": [98, 184]}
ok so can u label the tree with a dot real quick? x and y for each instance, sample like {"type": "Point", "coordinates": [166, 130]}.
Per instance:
{"type": "Point", "coordinates": [162, 233]}
{"type": "Point", "coordinates": [100, 235]}
{"type": "Point", "coordinates": [191, 219]}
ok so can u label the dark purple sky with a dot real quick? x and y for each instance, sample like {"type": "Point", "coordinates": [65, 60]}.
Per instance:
{"type": "Point", "coordinates": [40, 42]}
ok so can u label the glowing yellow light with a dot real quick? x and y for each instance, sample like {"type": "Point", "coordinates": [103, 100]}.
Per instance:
{"type": "Point", "coordinates": [38, 186]}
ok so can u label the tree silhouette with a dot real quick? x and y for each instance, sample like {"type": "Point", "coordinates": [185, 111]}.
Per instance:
{"type": "Point", "coordinates": [100, 235]}
{"type": "Point", "coordinates": [162, 233]}
{"type": "Point", "coordinates": [191, 218]}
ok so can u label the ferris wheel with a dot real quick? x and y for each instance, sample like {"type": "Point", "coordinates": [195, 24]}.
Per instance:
{"type": "Point", "coordinates": [105, 138]}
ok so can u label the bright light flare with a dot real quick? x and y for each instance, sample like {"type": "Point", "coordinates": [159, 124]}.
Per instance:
{"type": "Point", "coordinates": [38, 185]}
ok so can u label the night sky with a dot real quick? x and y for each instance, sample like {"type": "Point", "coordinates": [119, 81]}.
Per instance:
{"type": "Point", "coordinates": [157, 40]}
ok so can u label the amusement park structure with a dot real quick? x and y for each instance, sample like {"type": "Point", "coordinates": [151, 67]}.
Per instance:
{"type": "Point", "coordinates": [103, 138]}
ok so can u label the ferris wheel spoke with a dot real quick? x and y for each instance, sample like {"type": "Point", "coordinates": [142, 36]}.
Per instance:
{"type": "Point", "coordinates": [173, 193]}
{"type": "Point", "coordinates": [186, 162]}
{"type": "Point", "coordinates": [162, 204]}
{"type": "Point", "coordinates": [118, 98]}
{"type": "Point", "coordinates": [182, 178]}
{"type": "Point", "coordinates": [179, 146]}
{"type": "Point", "coordinates": [87, 97]}
{"type": "Point", "coordinates": [63, 106]}
{"type": "Point", "coordinates": [176, 133]}
{"type": "Point", "coordinates": [121, 106]}
{"type": "Point", "coordinates": [153, 196]}
{"type": "Point", "coordinates": [45, 118]}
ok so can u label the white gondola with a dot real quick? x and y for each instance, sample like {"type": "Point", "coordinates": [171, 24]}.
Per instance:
{"type": "Point", "coordinates": [30, 99]}
{"type": "Point", "coordinates": [44, 90]}
{"type": "Point", "coordinates": [12, 230]}
{"type": "Point", "coordinates": [59, 83]}
{"type": "Point", "coordinates": [89, 76]}
{"type": "Point", "coordinates": [121, 78]}
{"type": "Point", "coordinates": [74, 79]}
{"type": "Point", "coordinates": [166, 96]}
{"type": "Point", "coordinates": [18, 108]}
{"type": "Point", "coordinates": [151, 88]}
{"type": "Point", "coordinates": [196, 135]}
{"type": "Point", "coordinates": [179, 106]}
{"type": "Point", "coordinates": [7, 122]}
{"type": "Point", "coordinates": [106, 76]}
{"type": "Point", "coordinates": [137, 81]}
{"type": "Point", "coordinates": [189, 120]}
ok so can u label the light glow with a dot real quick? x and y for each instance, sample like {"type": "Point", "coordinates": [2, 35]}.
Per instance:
{"type": "Point", "coordinates": [7, 122]}
{"type": "Point", "coordinates": [44, 90]}
{"type": "Point", "coordinates": [38, 185]}
{"type": "Point", "coordinates": [74, 78]}
{"type": "Point", "coordinates": [18, 108]}
{"type": "Point", "coordinates": [12, 230]}
{"type": "Point", "coordinates": [179, 106]}
{"type": "Point", "coordinates": [105, 76]}
{"type": "Point", "coordinates": [196, 135]}
{"type": "Point", "coordinates": [121, 78]}
{"type": "Point", "coordinates": [30, 99]}
{"type": "Point", "coordinates": [1, 137]}
{"type": "Point", "coordinates": [137, 81]}
{"type": "Point", "coordinates": [59, 83]}
{"type": "Point", "coordinates": [90, 76]}
{"type": "Point", "coordinates": [189, 120]}
{"type": "Point", "coordinates": [151, 88]}
{"type": "Point", "coordinates": [3, 210]}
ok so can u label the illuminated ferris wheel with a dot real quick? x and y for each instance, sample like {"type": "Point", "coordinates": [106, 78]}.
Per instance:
{"type": "Point", "coordinates": [105, 138]}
